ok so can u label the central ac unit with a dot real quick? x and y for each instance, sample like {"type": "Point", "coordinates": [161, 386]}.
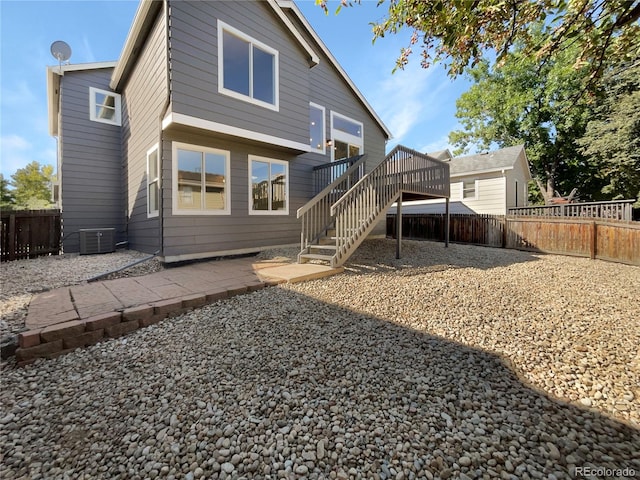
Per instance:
{"type": "Point", "coordinates": [97, 240]}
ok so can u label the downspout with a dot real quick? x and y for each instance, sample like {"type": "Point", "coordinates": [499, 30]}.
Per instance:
{"type": "Point", "coordinates": [163, 112]}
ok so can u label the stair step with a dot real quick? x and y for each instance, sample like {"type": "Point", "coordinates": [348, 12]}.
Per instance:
{"type": "Point", "coordinates": [316, 256]}
{"type": "Point", "coordinates": [323, 247]}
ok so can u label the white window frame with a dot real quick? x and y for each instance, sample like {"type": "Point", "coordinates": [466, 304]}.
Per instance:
{"type": "Point", "coordinates": [322, 150]}
{"type": "Point", "coordinates": [222, 27]}
{"type": "Point", "coordinates": [288, 200]}
{"type": "Point", "coordinates": [344, 136]}
{"type": "Point", "coordinates": [475, 190]}
{"type": "Point", "coordinates": [92, 107]}
{"type": "Point", "coordinates": [154, 213]}
{"type": "Point", "coordinates": [174, 168]}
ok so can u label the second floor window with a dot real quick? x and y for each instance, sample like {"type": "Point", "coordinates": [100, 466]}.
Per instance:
{"type": "Point", "coordinates": [104, 106]}
{"type": "Point", "coordinates": [247, 68]}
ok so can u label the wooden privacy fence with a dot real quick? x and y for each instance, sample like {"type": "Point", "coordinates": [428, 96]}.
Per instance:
{"type": "Point", "coordinates": [29, 234]}
{"type": "Point", "coordinates": [617, 241]}
{"type": "Point", "coordinates": [463, 228]}
{"type": "Point", "coordinates": [612, 210]}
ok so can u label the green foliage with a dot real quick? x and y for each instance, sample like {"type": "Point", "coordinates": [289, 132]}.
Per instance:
{"type": "Point", "coordinates": [7, 199]}
{"type": "Point", "coordinates": [612, 137]}
{"type": "Point", "coordinates": [538, 106]}
{"type": "Point", "coordinates": [462, 32]}
{"type": "Point", "coordinates": [32, 186]}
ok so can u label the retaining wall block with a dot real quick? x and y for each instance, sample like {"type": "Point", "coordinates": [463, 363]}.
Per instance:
{"type": "Point", "coordinates": [62, 330]}
{"type": "Point", "coordinates": [42, 350]}
{"type": "Point", "coordinates": [102, 321]}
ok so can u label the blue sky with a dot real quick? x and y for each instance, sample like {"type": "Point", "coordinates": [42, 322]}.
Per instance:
{"type": "Point", "coordinates": [417, 105]}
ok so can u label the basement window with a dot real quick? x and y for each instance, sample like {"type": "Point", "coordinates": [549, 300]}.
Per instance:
{"type": "Point", "coordinates": [104, 106]}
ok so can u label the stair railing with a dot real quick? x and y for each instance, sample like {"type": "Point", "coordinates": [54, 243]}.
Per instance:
{"type": "Point", "coordinates": [316, 214]}
{"type": "Point", "coordinates": [358, 210]}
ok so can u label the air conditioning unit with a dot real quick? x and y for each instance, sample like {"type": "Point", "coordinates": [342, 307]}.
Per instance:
{"type": "Point", "coordinates": [97, 240]}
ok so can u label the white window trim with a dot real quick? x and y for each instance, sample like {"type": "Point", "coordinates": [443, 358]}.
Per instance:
{"type": "Point", "coordinates": [475, 191]}
{"type": "Point", "coordinates": [155, 148]}
{"type": "Point", "coordinates": [322, 150]}
{"type": "Point", "coordinates": [270, 161]}
{"type": "Point", "coordinates": [174, 183]}
{"type": "Point", "coordinates": [222, 26]}
{"type": "Point", "coordinates": [345, 137]}
{"type": "Point", "coordinates": [92, 107]}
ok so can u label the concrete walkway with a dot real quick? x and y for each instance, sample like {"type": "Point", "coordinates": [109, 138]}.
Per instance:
{"type": "Point", "coordinates": [66, 318]}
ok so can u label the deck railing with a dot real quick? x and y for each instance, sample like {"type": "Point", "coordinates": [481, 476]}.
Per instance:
{"type": "Point", "coordinates": [613, 210]}
{"type": "Point", "coordinates": [316, 214]}
{"type": "Point", "coordinates": [326, 173]}
{"type": "Point", "coordinates": [403, 170]}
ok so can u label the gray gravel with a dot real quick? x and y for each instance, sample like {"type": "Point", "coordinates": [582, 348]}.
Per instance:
{"type": "Point", "coordinates": [395, 369]}
{"type": "Point", "coordinates": [21, 279]}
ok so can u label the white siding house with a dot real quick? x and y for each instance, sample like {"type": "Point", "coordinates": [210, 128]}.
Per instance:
{"type": "Point", "coordinates": [485, 183]}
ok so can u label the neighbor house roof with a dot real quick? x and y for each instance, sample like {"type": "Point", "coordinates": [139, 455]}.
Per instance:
{"type": "Point", "coordinates": [443, 155]}
{"type": "Point", "coordinates": [496, 161]}
{"type": "Point", "coordinates": [148, 9]}
{"type": "Point", "coordinates": [53, 88]}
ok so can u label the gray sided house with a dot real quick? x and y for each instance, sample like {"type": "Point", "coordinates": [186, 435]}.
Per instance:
{"type": "Point", "coordinates": [205, 138]}
{"type": "Point", "coordinates": [484, 183]}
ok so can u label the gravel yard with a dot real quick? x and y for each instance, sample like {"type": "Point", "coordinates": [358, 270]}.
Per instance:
{"type": "Point", "coordinates": [466, 362]}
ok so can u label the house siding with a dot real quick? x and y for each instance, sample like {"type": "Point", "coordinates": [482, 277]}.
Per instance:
{"type": "Point", "coordinates": [194, 68]}
{"type": "Point", "coordinates": [195, 92]}
{"type": "Point", "coordinates": [490, 192]}
{"type": "Point", "coordinates": [143, 100]}
{"type": "Point", "coordinates": [90, 166]}
{"type": "Point", "coordinates": [520, 175]}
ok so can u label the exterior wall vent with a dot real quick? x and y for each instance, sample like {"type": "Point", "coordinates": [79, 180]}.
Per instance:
{"type": "Point", "coordinates": [97, 240]}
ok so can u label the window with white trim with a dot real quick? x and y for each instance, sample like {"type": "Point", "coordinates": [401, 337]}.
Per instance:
{"type": "Point", "coordinates": [153, 182]}
{"type": "Point", "coordinates": [317, 138]}
{"type": "Point", "coordinates": [469, 189]}
{"type": "Point", "coordinates": [346, 137]}
{"type": "Point", "coordinates": [247, 68]}
{"type": "Point", "coordinates": [200, 180]}
{"type": "Point", "coordinates": [105, 106]}
{"type": "Point", "coordinates": [268, 186]}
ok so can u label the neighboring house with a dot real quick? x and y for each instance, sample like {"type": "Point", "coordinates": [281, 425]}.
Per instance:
{"type": "Point", "coordinates": [202, 139]}
{"type": "Point", "coordinates": [485, 183]}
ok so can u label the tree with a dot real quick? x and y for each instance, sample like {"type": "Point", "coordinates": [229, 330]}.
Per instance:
{"type": "Point", "coordinates": [518, 104]}
{"type": "Point", "coordinates": [464, 32]}
{"type": "Point", "coordinates": [612, 138]}
{"type": "Point", "coordinates": [7, 199]}
{"type": "Point", "coordinates": [32, 186]}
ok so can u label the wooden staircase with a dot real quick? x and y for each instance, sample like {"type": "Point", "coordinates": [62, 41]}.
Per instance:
{"type": "Point", "coordinates": [340, 217]}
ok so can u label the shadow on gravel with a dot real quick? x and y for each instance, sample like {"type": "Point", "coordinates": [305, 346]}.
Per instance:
{"type": "Point", "coordinates": [275, 384]}
{"type": "Point", "coordinates": [378, 255]}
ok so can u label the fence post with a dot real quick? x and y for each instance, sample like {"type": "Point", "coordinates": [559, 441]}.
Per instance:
{"type": "Point", "coordinates": [594, 240]}
{"type": "Point", "coordinates": [12, 236]}
{"type": "Point", "coordinates": [446, 224]}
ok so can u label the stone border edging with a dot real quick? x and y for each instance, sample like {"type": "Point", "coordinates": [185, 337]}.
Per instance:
{"type": "Point", "coordinates": [61, 338]}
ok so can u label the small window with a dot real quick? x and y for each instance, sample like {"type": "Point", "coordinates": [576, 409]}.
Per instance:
{"type": "Point", "coordinates": [104, 106]}
{"type": "Point", "coordinates": [346, 137]}
{"type": "Point", "coordinates": [316, 128]}
{"type": "Point", "coordinates": [200, 185]}
{"type": "Point", "coordinates": [268, 186]}
{"type": "Point", "coordinates": [153, 182]}
{"type": "Point", "coordinates": [469, 189]}
{"type": "Point", "coordinates": [247, 69]}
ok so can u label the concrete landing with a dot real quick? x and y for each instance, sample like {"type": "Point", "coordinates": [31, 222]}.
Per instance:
{"type": "Point", "coordinates": [299, 272]}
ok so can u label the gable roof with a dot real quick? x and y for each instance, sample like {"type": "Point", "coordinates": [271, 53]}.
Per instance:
{"type": "Point", "coordinates": [443, 155]}
{"type": "Point", "coordinates": [148, 9]}
{"type": "Point", "coordinates": [496, 161]}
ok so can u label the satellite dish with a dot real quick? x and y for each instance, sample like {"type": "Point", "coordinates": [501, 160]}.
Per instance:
{"type": "Point", "coordinates": [61, 51]}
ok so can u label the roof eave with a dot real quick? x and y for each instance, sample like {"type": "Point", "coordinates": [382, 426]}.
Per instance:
{"type": "Point", "coordinates": [139, 28]}
{"type": "Point", "coordinates": [294, 8]}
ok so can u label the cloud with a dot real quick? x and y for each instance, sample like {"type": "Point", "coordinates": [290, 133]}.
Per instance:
{"type": "Point", "coordinates": [90, 57]}
{"type": "Point", "coordinates": [16, 152]}
{"type": "Point", "coordinates": [441, 143]}
{"type": "Point", "coordinates": [401, 99]}
{"type": "Point", "coordinates": [20, 96]}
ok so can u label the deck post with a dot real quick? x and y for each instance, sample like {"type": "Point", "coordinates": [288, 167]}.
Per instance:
{"type": "Point", "coordinates": [399, 227]}
{"type": "Point", "coordinates": [446, 223]}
